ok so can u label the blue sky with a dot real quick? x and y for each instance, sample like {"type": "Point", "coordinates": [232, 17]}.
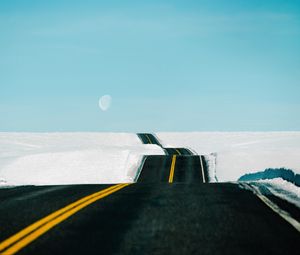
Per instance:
{"type": "Point", "coordinates": [168, 65]}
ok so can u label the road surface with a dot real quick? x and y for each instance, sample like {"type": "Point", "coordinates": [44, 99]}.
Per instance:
{"type": "Point", "coordinates": [178, 165]}
{"type": "Point", "coordinates": [149, 218]}
{"type": "Point", "coordinates": [156, 215]}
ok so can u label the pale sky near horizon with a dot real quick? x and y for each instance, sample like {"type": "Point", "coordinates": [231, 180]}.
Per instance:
{"type": "Point", "coordinates": [168, 65]}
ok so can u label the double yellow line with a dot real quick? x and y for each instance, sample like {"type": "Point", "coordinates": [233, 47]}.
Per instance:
{"type": "Point", "coordinates": [21, 239]}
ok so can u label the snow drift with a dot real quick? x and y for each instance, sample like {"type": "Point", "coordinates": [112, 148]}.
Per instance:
{"type": "Point", "coordinates": [233, 154]}
{"type": "Point", "coordinates": [70, 158]}
{"type": "Point", "coordinates": [75, 158]}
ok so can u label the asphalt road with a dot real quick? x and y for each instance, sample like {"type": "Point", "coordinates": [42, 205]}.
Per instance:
{"type": "Point", "coordinates": [178, 151]}
{"type": "Point", "coordinates": [149, 218]}
{"type": "Point", "coordinates": [172, 209]}
{"type": "Point", "coordinates": [178, 165]}
{"type": "Point", "coordinates": [158, 169]}
{"type": "Point", "coordinates": [147, 138]}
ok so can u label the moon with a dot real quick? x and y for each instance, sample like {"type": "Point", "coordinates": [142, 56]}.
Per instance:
{"type": "Point", "coordinates": [105, 102]}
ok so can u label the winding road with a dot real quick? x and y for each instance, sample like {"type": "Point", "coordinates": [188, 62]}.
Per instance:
{"type": "Point", "coordinates": [171, 209]}
{"type": "Point", "coordinates": [178, 165]}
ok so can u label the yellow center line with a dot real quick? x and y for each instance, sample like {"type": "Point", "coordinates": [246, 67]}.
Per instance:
{"type": "Point", "coordinates": [178, 151]}
{"type": "Point", "coordinates": [171, 176]}
{"type": "Point", "coordinates": [21, 239]}
{"type": "Point", "coordinates": [148, 139]}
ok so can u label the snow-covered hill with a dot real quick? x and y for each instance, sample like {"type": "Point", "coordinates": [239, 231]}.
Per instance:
{"type": "Point", "coordinates": [72, 158]}
{"type": "Point", "coordinates": [233, 154]}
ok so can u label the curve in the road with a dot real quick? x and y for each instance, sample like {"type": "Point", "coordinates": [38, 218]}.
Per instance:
{"type": "Point", "coordinates": [178, 165]}
{"type": "Point", "coordinates": [148, 217]}
{"type": "Point", "coordinates": [148, 138]}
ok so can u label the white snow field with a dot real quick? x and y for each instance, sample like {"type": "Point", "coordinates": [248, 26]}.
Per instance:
{"type": "Point", "coordinates": [232, 154]}
{"type": "Point", "coordinates": [94, 158]}
{"type": "Point", "coordinates": [70, 158]}
{"type": "Point", "coordinates": [75, 158]}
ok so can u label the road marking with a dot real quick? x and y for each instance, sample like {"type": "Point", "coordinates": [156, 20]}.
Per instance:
{"type": "Point", "coordinates": [202, 169]}
{"type": "Point", "coordinates": [140, 169]}
{"type": "Point", "coordinates": [188, 152]}
{"type": "Point", "coordinates": [171, 176]}
{"type": "Point", "coordinates": [148, 138]}
{"type": "Point", "coordinates": [21, 239]}
{"type": "Point", "coordinates": [179, 153]}
{"type": "Point", "coordinates": [284, 214]}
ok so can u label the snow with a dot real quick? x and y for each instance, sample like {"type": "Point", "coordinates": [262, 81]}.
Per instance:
{"type": "Point", "coordinates": [232, 154]}
{"type": "Point", "coordinates": [70, 158]}
{"type": "Point", "coordinates": [281, 188]}
{"type": "Point", "coordinates": [86, 158]}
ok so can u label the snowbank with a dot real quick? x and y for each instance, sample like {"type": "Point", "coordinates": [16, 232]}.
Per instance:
{"type": "Point", "coordinates": [73, 158]}
{"type": "Point", "coordinates": [70, 158]}
{"type": "Point", "coordinates": [233, 154]}
{"type": "Point", "coordinates": [280, 188]}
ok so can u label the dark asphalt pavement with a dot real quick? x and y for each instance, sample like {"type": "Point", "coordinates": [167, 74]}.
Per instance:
{"type": "Point", "coordinates": [178, 151]}
{"type": "Point", "coordinates": [157, 169]}
{"type": "Point", "coordinates": [147, 138]}
{"type": "Point", "coordinates": [148, 218]}
{"type": "Point", "coordinates": [152, 216]}
{"type": "Point", "coordinates": [188, 167]}
{"type": "Point", "coordinates": [22, 206]}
